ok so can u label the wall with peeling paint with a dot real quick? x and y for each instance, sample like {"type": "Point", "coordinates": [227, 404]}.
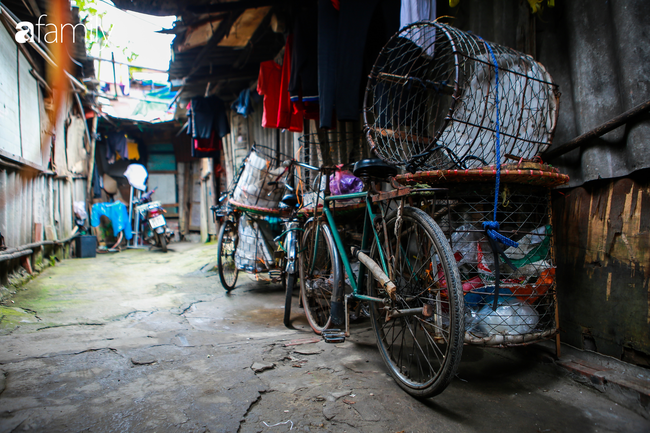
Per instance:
{"type": "Point", "coordinates": [603, 259]}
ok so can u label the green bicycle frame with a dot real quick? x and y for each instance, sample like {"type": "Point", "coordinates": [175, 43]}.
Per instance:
{"type": "Point", "coordinates": [368, 231]}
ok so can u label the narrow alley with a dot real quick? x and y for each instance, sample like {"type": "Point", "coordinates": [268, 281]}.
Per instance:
{"type": "Point", "coordinates": [143, 341]}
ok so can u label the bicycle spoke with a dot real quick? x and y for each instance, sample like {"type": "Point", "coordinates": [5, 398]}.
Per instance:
{"type": "Point", "coordinates": [421, 352]}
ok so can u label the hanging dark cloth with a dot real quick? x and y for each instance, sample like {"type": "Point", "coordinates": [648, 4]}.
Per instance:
{"type": "Point", "coordinates": [97, 185]}
{"type": "Point", "coordinates": [303, 86]}
{"type": "Point", "coordinates": [208, 124]}
{"type": "Point", "coordinates": [116, 144]}
{"type": "Point", "coordinates": [347, 38]}
{"type": "Point", "coordinates": [242, 104]}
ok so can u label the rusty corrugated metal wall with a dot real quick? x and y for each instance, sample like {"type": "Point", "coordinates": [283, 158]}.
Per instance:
{"type": "Point", "coordinates": [43, 166]}
{"type": "Point", "coordinates": [36, 206]}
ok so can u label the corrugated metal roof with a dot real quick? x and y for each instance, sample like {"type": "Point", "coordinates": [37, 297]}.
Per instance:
{"type": "Point", "coordinates": [228, 70]}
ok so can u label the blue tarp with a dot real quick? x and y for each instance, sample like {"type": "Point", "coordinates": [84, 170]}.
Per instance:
{"type": "Point", "coordinates": [117, 213]}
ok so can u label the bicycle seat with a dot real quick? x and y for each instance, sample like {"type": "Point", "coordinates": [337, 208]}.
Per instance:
{"type": "Point", "coordinates": [374, 168]}
{"type": "Point", "coordinates": [290, 200]}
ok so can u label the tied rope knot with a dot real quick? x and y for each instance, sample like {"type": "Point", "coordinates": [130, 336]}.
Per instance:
{"type": "Point", "coordinates": [491, 228]}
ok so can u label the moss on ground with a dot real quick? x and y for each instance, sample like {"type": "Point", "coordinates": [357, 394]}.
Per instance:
{"type": "Point", "coordinates": [12, 317]}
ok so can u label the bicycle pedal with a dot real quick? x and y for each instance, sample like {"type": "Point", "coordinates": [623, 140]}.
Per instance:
{"type": "Point", "coordinates": [333, 336]}
{"type": "Point", "coordinates": [275, 274]}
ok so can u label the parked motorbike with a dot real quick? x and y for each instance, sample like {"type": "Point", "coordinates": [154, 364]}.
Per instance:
{"type": "Point", "coordinates": [156, 232]}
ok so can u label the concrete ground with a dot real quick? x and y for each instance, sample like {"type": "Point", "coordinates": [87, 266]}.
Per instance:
{"type": "Point", "coordinates": [141, 341]}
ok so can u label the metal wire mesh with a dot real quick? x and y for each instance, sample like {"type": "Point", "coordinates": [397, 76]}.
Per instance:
{"type": "Point", "coordinates": [526, 300]}
{"type": "Point", "coordinates": [255, 245]}
{"type": "Point", "coordinates": [261, 166]}
{"type": "Point", "coordinates": [332, 148]}
{"type": "Point", "coordinates": [430, 101]}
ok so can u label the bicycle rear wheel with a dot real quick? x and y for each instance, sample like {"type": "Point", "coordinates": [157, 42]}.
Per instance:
{"type": "Point", "coordinates": [226, 247]}
{"type": "Point", "coordinates": [422, 348]}
{"type": "Point", "coordinates": [319, 272]}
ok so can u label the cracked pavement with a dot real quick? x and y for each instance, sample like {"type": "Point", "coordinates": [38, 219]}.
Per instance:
{"type": "Point", "coordinates": [141, 341]}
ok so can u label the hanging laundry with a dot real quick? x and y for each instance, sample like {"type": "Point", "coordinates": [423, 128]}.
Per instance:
{"type": "Point", "coordinates": [303, 85]}
{"type": "Point", "coordinates": [276, 97]}
{"type": "Point", "coordinates": [117, 213]}
{"type": "Point", "coordinates": [211, 144]}
{"type": "Point", "coordinates": [132, 149]}
{"type": "Point", "coordinates": [208, 124]}
{"type": "Point", "coordinates": [288, 118]}
{"type": "Point", "coordinates": [348, 40]}
{"type": "Point", "coordinates": [413, 11]}
{"type": "Point", "coordinates": [268, 84]}
{"type": "Point", "coordinates": [116, 145]}
{"type": "Point", "coordinates": [207, 115]}
{"type": "Point", "coordinates": [242, 104]}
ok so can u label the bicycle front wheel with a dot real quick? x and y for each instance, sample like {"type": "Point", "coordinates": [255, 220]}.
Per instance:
{"type": "Point", "coordinates": [420, 334]}
{"type": "Point", "coordinates": [289, 282]}
{"type": "Point", "coordinates": [226, 247]}
{"type": "Point", "coordinates": [319, 271]}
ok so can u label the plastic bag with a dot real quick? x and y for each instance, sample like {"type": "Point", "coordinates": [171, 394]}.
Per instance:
{"type": "Point", "coordinates": [510, 318]}
{"type": "Point", "coordinates": [344, 182]}
{"type": "Point", "coordinates": [79, 208]}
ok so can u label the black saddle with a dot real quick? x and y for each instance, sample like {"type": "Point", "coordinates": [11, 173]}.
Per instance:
{"type": "Point", "coordinates": [290, 200]}
{"type": "Point", "coordinates": [374, 168]}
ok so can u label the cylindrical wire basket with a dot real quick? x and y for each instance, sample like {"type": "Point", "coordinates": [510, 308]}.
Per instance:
{"type": "Point", "coordinates": [430, 101]}
{"type": "Point", "coordinates": [252, 191]}
{"type": "Point", "coordinates": [526, 304]}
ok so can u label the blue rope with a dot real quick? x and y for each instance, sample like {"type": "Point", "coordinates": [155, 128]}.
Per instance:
{"type": "Point", "coordinates": [492, 226]}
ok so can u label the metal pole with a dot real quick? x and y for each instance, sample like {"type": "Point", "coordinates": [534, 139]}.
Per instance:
{"type": "Point", "coordinates": [598, 131]}
{"type": "Point", "coordinates": [114, 78]}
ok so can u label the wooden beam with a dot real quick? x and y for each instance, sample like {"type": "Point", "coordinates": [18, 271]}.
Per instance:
{"type": "Point", "coordinates": [222, 30]}
{"type": "Point", "coordinates": [233, 6]}
{"type": "Point", "coordinates": [250, 46]}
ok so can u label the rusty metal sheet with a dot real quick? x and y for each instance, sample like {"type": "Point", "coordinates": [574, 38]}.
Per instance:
{"type": "Point", "coordinates": [603, 257]}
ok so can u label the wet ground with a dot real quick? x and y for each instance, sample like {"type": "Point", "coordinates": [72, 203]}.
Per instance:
{"type": "Point", "coordinates": [141, 341]}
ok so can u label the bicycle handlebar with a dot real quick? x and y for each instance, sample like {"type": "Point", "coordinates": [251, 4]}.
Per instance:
{"type": "Point", "coordinates": [288, 163]}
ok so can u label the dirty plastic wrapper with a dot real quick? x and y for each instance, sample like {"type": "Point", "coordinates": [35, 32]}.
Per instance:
{"type": "Point", "coordinates": [253, 253]}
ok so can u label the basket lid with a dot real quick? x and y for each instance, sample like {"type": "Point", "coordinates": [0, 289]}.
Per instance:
{"type": "Point", "coordinates": [528, 173]}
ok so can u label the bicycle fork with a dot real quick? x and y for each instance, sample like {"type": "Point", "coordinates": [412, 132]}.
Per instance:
{"type": "Point", "coordinates": [339, 306]}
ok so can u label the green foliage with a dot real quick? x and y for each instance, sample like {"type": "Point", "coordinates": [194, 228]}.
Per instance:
{"type": "Point", "coordinates": [96, 31]}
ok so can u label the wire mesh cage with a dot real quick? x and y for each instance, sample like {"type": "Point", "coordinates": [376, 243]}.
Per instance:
{"type": "Point", "coordinates": [332, 148]}
{"type": "Point", "coordinates": [431, 100]}
{"type": "Point", "coordinates": [524, 310]}
{"type": "Point", "coordinates": [255, 246]}
{"type": "Point", "coordinates": [252, 191]}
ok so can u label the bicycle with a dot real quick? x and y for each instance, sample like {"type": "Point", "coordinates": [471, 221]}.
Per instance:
{"type": "Point", "coordinates": [412, 285]}
{"type": "Point", "coordinates": [269, 258]}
